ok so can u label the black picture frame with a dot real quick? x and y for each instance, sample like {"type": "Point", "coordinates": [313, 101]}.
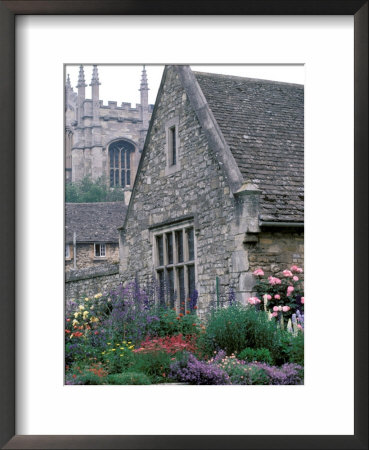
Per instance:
{"type": "Point", "coordinates": [8, 11]}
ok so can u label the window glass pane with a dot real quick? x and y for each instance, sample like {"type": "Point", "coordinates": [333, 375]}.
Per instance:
{"type": "Point", "coordinates": [179, 243]}
{"type": "Point", "coordinates": [111, 178]}
{"type": "Point", "coordinates": [123, 159]}
{"type": "Point", "coordinates": [102, 250]}
{"type": "Point", "coordinates": [128, 156]}
{"type": "Point", "coordinates": [116, 177]}
{"type": "Point", "coordinates": [97, 249]}
{"type": "Point", "coordinates": [128, 175]}
{"type": "Point", "coordinates": [170, 273]}
{"type": "Point", "coordinates": [170, 247]}
{"type": "Point", "coordinates": [123, 181]}
{"type": "Point", "coordinates": [172, 146]}
{"type": "Point", "coordinates": [161, 287]}
{"type": "Point", "coordinates": [116, 158]}
{"type": "Point", "coordinates": [182, 294]}
{"type": "Point", "coordinates": [111, 153]}
{"type": "Point", "coordinates": [191, 279]}
{"type": "Point", "coordinates": [160, 254]}
{"type": "Point", "coordinates": [190, 241]}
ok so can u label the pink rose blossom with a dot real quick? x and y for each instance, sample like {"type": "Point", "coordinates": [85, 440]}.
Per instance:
{"type": "Point", "coordinates": [299, 327]}
{"type": "Point", "coordinates": [299, 270]}
{"type": "Point", "coordinates": [253, 300]}
{"type": "Point", "coordinates": [273, 280]}
{"type": "Point", "coordinates": [286, 308]}
{"type": "Point", "coordinates": [269, 297]}
{"type": "Point", "coordinates": [287, 273]}
{"type": "Point", "coordinates": [258, 272]}
{"type": "Point", "coordinates": [302, 300]}
{"type": "Point", "coordinates": [294, 268]}
{"type": "Point", "coordinates": [277, 297]}
{"type": "Point", "coordinates": [275, 308]}
{"type": "Point", "coordinates": [295, 278]}
{"type": "Point", "coordinates": [290, 289]}
{"type": "Point", "coordinates": [275, 314]}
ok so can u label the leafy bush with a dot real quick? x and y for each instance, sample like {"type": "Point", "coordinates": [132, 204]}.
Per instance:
{"type": "Point", "coordinates": [190, 370]}
{"type": "Point", "coordinates": [118, 357]}
{"type": "Point", "coordinates": [94, 374]}
{"type": "Point", "coordinates": [285, 295]}
{"type": "Point", "coordinates": [256, 354]}
{"type": "Point", "coordinates": [237, 327]}
{"type": "Point", "coordinates": [89, 191]}
{"type": "Point", "coordinates": [154, 364]}
{"type": "Point", "coordinates": [295, 349]}
{"type": "Point", "coordinates": [170, 323]}
{"type": "Point", "coordinates": [128, 378]}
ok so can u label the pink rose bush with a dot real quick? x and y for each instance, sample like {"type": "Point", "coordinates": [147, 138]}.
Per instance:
{"type": "Point", "coordinates": [281, 297]}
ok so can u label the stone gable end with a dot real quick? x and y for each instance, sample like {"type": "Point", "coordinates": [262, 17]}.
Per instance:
{"type": "Point", "coordinates": [197, 191]}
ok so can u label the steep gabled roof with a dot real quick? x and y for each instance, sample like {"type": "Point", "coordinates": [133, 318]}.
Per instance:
{"type": "Point", "coordinates": [94, 222]}
{"type": "Point", "coordinates": [263, 124]}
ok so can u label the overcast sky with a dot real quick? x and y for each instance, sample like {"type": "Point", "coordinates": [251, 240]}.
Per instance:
{"type": "Point", "coordinates": [120, 83]}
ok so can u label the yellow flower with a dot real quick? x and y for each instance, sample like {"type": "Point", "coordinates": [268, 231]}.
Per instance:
{"type": "Point", "coordinates": [131, 347]}
{"type": "Point", "coordinates": [94, 319]}
{"type": "Point", "coordinates": [85, 314]}
{"type": "Point", "coordinates": [76, 314]}
{"type": "Point", "coordinates": [103, 353]}
{"type": "Point", "coordinates": [75, 322]}
{"type": "Point", "coordinates": [109, 343]}
{"type": "Point", "coordinates": [87, 299]}
{"type": "Point", "coordinates": [121, 348]}
{"type": "Point", "coordinates": [113, 349]}
{"type": "Point", "coordinates": [120, 355]}
{"type": "Point", "coordinates": [98, 295]}
{"type": "Point", "coordinates": [81, 307]}
{"type": "Point", "coordinates": [92, 307]}
{"type": "Point", "coordinates": [124, 342]}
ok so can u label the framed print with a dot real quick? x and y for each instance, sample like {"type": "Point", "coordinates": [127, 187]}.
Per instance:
{"type": "Point", "coordinates": [38, 410]}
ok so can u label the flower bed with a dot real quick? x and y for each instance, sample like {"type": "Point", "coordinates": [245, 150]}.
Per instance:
{"type": "Point", "coordinates": [125, 338]}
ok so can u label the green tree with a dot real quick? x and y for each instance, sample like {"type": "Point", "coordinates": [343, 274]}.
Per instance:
{"type": "Point", "coordinates": [89, 191]}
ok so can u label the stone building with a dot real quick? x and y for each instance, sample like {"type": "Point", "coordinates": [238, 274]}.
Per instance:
{"type": "Point", "coordinates": [104, 140]}
{"type": "Point", "coordinates": [219, 189]}
{"type": "Point", "coordinates": [91, 235]}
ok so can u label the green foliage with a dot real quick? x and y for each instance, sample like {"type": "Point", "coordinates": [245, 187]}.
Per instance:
{"type": "Point", "coordinates": [256, 354]}
{"type": "Point", "coordinates": [170, 323]}
{"type": "Point", "coordinates": [129, 378]}
{"type": "Point", "coordinates": [118, 357]}
{"type": "Point", "coordinates": [154, 364]}
{"type": "Point", "coordinates": [237, 327]}
{"type": "Point", "coordinates": [89, 191]}
{"type": "Point", "coordinates": [295, 350]}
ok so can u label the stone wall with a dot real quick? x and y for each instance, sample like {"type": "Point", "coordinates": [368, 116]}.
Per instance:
{"type": "Point", "coordinates": [197, 192]}
{"type": "Point", "coordinates": [86, 257]}
{"type": "Point", "coordinates": [276, 251]}
{"type": "Point", "coordinates": [91, 281]}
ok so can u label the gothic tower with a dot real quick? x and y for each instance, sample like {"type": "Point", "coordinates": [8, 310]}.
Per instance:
{"type": "Point", "coordinates": [104, 140]}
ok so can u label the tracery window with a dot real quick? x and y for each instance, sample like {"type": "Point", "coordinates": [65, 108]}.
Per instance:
{"type": "Point", "coordinates": [120, 163]}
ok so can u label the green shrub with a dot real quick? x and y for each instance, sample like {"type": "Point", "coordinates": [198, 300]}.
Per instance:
{"type": "Point", "coordinates": [295, 350]}
{"type": "Point", "coordinates": [238, 327]}
{"type": "Point", "coordinates": [170, 323]}
{"type": "Point", "coordinates": [129, 378]}
{"type": "Point", "coordinates": [256, 354]}
{"type": "Point", "coordinates": [154, 364]}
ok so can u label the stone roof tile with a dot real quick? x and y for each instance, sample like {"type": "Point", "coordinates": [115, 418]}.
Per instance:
{"type": "Point", "coordinates": [263, 124]}
{"type": "Point", "coordinates": [94, 222]}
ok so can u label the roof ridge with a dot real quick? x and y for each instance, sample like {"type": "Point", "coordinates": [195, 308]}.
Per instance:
{"type": "Point", "coordinates": [248, 78]}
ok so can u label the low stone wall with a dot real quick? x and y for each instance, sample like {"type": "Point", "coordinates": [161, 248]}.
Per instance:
{"type": "Point", "coordinates": [90, 281]}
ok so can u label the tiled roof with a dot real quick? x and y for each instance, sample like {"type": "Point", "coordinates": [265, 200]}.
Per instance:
{"type": "Point", "coordinates": [94, 222]}
{"type": "Point", "coordinates": [263, 124]}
